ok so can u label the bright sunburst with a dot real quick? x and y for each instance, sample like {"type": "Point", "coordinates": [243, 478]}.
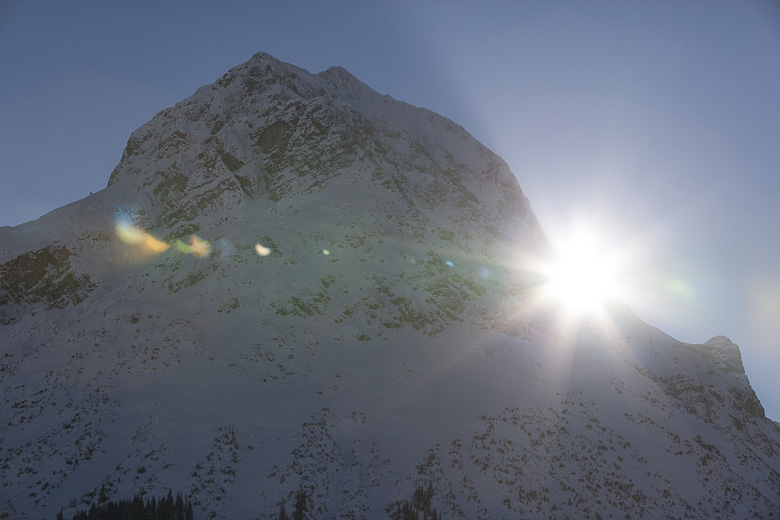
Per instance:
{"type": "Point", "coordinates": [583, 275]}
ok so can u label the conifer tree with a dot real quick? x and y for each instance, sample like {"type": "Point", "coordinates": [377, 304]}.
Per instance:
{"type": "Point", "coordinates": [300, 506]}
{"type": "Point", "coordinates": [178, 508]}
{"type": "Point", "coordinates": [283, 512]}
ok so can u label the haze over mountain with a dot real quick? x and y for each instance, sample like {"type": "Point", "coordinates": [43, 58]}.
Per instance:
{"type": "Point", "coordinates": [295, 286]}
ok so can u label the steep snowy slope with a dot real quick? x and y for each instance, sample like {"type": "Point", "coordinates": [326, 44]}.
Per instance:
{"type": "Point", "coordinates": [295, 284]}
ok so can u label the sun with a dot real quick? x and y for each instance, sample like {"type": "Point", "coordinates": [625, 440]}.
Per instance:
{"type": "Point", "coordinates": [583, 275]}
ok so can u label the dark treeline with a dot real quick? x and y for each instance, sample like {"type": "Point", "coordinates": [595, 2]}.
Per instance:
{"type": "Point", "coordinates": [299, 511]}
{"type": "Point", "coordinates": [170, 508]}
{"type": "Point", "coordinates": [136, 508]}
{"type": "Point", "coordinates": [419, 508]}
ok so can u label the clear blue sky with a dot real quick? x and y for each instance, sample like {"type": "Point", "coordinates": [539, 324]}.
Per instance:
{"type": "Point", "coordinates": [659, 121]}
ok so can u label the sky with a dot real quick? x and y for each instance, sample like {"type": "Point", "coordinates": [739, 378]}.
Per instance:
{"type": "Point", "coordinates": [655, 124]}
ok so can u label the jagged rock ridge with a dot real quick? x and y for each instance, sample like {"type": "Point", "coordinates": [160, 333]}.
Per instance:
{"type": "Point", "coordinates": [386, 354]}
{"type": "Point", "coordinates": [268, 129]}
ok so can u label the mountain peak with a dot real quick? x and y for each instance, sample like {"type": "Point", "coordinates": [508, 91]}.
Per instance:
{"type": "Point", "coordinates": [267, 130]}
{"type": "Point", "coordinates": [723, 352]}
{"type": "Point", "coordinates": [341, 78]}
{"type": "Point", "coordinates": [261, 56]}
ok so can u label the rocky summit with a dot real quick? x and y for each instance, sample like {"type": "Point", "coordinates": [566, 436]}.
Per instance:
{"type": "Point", "coordinates": [297, 296]}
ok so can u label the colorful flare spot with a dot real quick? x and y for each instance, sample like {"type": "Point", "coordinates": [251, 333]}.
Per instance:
{"type": "Point", "coordinates": [262, 250]}
{"type": "Point", "coordinates": [325, 252]}
{"type": "Point", "coordinates": [199, 247]}
{"type": "Point", "coordinates": [223, 248]}
{"type": "Point", "coordinates": [132, 235]}
{"type": "Point", "coordinates": [680, 288]}
{"type": "Point", "coordinates": [129, 234]}
{"type": "Point", "coordinates": [181, 247]}
{"type": "Point", "coordinates": [154, 245]}
{"type": "Point", "coordinates": [449, 263]}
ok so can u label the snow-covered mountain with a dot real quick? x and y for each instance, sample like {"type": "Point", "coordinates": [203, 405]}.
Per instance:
{"type": "Point", "coordinates": [294, 286]}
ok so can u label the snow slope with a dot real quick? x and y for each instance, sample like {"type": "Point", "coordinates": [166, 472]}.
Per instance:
{"type": "Point", "coordinates": [391, 340]}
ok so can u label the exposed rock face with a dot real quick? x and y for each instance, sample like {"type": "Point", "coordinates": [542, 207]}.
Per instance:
{"type": "Point", "coordinates": [270, 130]}
{"type": "Point", "coordinates": [45, 276]}
{"type": "Point", "coordinates": [721, 351]}
{"type": "Point", "coordinates": [349, 326]}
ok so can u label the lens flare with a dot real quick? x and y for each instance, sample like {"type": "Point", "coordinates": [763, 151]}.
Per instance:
{"type": "Point", "coordinates": [680, 288]}
{"type": "Point", "coordinates": [262, 250]}
{"type": "Point", "coordinates": [154, 245]}
{"type": "Point", "coordinates": [199, 246]}
{"type": "Point", "coordinates": [181, 247]}
{"type": "Point", "coordinates": [223, 248]}
{"type": "Point", "coordinates": [133, 235]}
{"type": "Point", "coordinates": [129, 234]}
